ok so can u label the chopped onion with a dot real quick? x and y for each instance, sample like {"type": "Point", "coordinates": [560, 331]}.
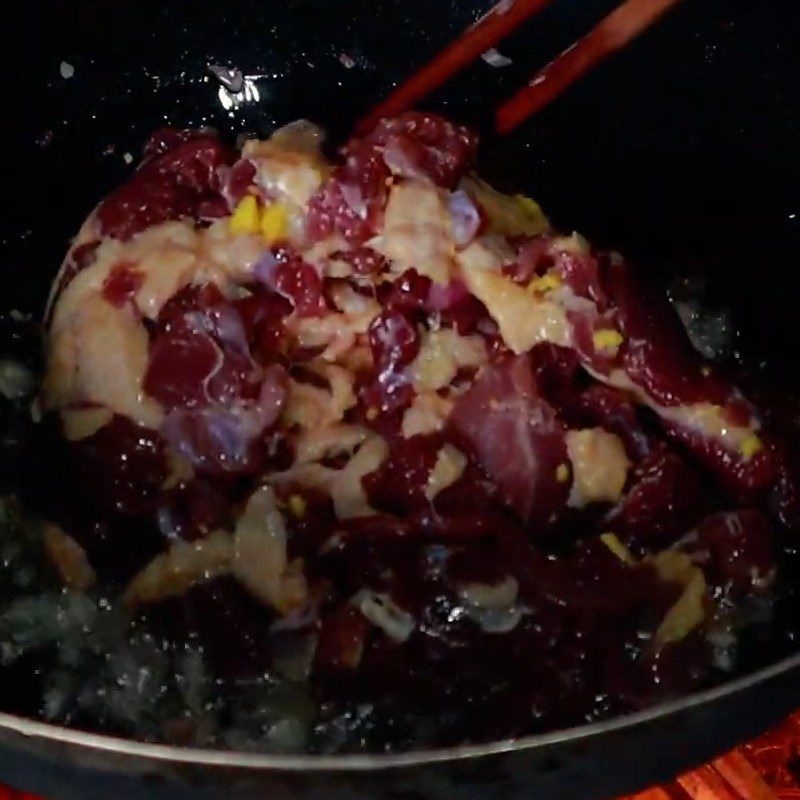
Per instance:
{"type": "Point", "coordinates": [465, 217]}
{"type": "Point", "coordinates": [383, 612]}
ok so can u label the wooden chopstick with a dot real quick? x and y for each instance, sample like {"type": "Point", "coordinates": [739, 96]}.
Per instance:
{"type": "Point", "coordinates": [610, 35]}
{"type": "Point", "coordinates": [501, 20]}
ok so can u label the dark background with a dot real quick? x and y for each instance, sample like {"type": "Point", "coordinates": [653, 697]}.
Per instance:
{"type": "Point", "coordinates": [684, 151]}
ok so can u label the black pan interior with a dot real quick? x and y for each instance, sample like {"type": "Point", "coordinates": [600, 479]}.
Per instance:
{"type": "Point", "coordinates": [683, 152]}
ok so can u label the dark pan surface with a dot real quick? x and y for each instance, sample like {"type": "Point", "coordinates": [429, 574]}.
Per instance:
{"type": "Point", "coordinates": [683, 152]}
{"type": "Point", "coordinates": [597, 761]}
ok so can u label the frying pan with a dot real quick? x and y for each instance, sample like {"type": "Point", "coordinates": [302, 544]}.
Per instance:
{"type": "Point", "coordinates": [684, 152]}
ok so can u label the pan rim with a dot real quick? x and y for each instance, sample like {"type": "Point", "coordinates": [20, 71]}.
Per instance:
{"type": "Point", "coordinates": [359, 763]}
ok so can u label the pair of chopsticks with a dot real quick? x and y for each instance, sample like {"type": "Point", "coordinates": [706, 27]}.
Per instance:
{"type": "Point", "coordinates": [611, 34]}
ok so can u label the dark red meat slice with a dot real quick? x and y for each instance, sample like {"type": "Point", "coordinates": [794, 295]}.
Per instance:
{"type": "Point", "coordinates": [121, 467]}
{"type": "Point", "coordinates": [581, 272]}
{"type": "Point", "coordinates": [200, 369]}
{"type": "Point", "coordinates": [657, 354]}
{"type": "Point", "coordinates": [393, 339]}
{"type": "Point", "coordinates": [235, 181]}
{"type": "Point", "coordinates": [299, 281]}
{"type": "Point", "coordinates": [342, 636]}
{"type": "Point", "coordinates": [166, 139]}
{"type": "Point", "coordinates": [398, 486]}
{"type": "Point", "coordinates": [219, 439]}
{"type": "Point", "coordinates": [736, 472]}
{"type": "Point", "coordinates": [394, 342]}
{"type": "Point", "coordinates": [352, 200]}
{"type": "Point", "coordinates": [457, 307]}
{"type": "Point", "coordinates": [557, 371]}
{"type": "Point", "coordinates": [532, 259]}
{"type": "Point", "coordinates": [191, 298]}
{"type": "Point", "coordinates": [615, 412]}
{"type": "Point", "coordinates": [666, 498]}
{"type": "Point", "coordinates": [785, 494]}
{"type": "Point", "coordinates": [735, 549]}
{"type": "Point", "coordinates": [262, 314]}
{"type": "Point", "coordinates": [409, 294]}
{"type": "Point", "coordinates": [192, 364]}
{"type": "Point", "coordinates": [469, 501]}
{"type": "Point", "coordinates": [585, 324]}
{"type": "Point", "coordinates": [422, 144]}
{"type": "Point", "coordinates": [195, 508]}
{"type": "Point", "coordinates": [180, 176]}
{"type": "Point", "coordinates": [515, 436]}
{"type": "Point", "coordinates": [213, 440]}
{"type": "Point", "coordinates": [308, 530]}
{"type": "Point", "coordinates": [417, 296]}
{"type": "Point", "coordinates": [286, 273]}
{"type": "Point", "coordinates": [364, 260]}
{"type": "Point", "coordinates": [658, 357]}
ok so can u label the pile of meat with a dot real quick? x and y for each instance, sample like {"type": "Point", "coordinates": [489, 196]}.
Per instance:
{"type": "Point", "coordinates": [372, 412]}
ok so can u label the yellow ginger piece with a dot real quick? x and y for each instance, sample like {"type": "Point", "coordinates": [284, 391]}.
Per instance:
{"type": "Point", "coordinates": [245, 218]}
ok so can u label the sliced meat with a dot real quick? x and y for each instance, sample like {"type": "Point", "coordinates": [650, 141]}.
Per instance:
{"type": "Point", "coordinates": [515, 436]}
{"type": "Point", "coordinates": [180, 176]}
